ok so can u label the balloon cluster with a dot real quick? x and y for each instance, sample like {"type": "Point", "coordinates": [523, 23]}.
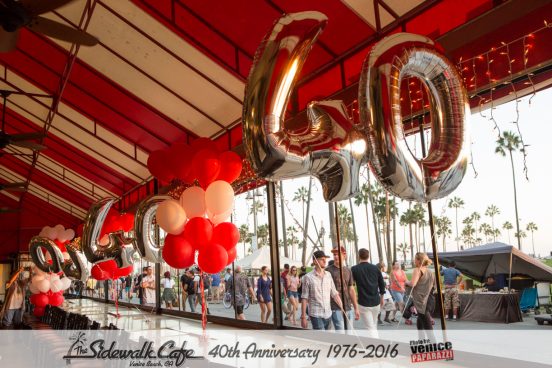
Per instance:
{"type": "Point", "coordinates": [60, 236]}
{"type": "Point", "coordinates": [47, 288]}
{"type": "Point", "coordinates": [197, 220]}
{"type": "Point", "coordinates": [114, 222]}
{"type": "Point", "coordinates": [200, 161]}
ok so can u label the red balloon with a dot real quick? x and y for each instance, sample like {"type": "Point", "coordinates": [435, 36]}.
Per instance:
{"type": "Point", "coordinates": [158, 165]}
{"type": "Point", "coordinates": [198, 231]}
{"type": "Point", "coordinates": [40, 300]}
{"type": "Point", "coordinates": [126, 221]}
{"type": "Point", "coordinates": [56, 299]}
{"type": "Point", "coordinates": [98, 273]}
{"type": "Point", "coordinates": [38, 311]}
{"type": "Point", "coordinates": [232, 253]}
{"type": "Point", "coordinates": [60, 245]}
{"type": "Point", "coordinates": [206, 166]}
{"type": "Point", "coordinates": [230, 166]}
{"type": "Point", "coordinates": [122, 272]}
{"type": "Point", "coordinates": [178, 252]}
{"type": "Point", "coordinates": [226, 234]}
{"type": "Point", "coordinates": [214, 260]}
{"type": "Point", "coordinates": [180, 160]}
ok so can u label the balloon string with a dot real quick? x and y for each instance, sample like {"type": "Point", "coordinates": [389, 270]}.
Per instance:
{"type": "Point", "coordinates": [203, 307]}
{"type": "Point", "coordinates": [116, 297]}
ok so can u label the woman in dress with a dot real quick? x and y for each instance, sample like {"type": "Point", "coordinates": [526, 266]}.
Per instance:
{"type": "Point", "coordinates": [293, 283]}
{"type": "Point", "coordinates": [423, 282]}
{"type": "Point", "coordinates": [264, 294]}
{"type": "Point", "coordinates": [168, 293]}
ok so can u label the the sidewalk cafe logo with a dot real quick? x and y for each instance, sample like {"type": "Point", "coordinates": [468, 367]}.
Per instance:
{"type": "Point", "coordinates": [143, 355]}
{"type": "Point", "coordinates": [425, 350]}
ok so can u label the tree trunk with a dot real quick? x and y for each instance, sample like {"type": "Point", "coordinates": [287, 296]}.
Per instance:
{"type": "Point", "coordinates": [354, 231]}
{"type": "Point", "coordinates": [417, 237]}
{"type": "Point", "coordinates": [282, 209]}
{"type": "Point", "coordinates": [423, 236]}
{"type": "Point", "coordinates": [457, 238]}
{"type": "Point", "coordinates": [411, 244]}
{"type": "Point", "coordinates": [368, 231]}
{"type": "Point", "coordinates": [306, 227]}
{"type": "Point", "coordinates": [376, 224]}
{"type": "Point", "coordinates": [533, 242]}
{"type": "Point", "coordinates": [444, 246]}
{"type": "Point", "coordinates": [394, 238]}
{"type": "Point", "coordinates": [515, 200]}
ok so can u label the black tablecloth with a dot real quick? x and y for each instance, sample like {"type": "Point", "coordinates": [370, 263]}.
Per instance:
{"type": "Point", "coordinates": [488, 307]}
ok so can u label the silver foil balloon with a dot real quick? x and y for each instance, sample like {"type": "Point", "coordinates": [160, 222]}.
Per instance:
{"type": "Point", "coordinates": [116, 248]}
{"type": "Point", "coordinates": [76, 267]}
{"type": "Point", "coordinates": [35, 245]}
{"type": "Point", "coordinates": [144, 241]}
{"type": "Point", "coordinates": [441, 171]}
{"type": "Point", "coordinates": [330, 148]}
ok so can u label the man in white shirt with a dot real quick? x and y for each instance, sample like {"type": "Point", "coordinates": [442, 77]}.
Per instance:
{"type": "Point", "coordinates": [11, 312]}
{"type": "Point", "coordinates": [148, 286]}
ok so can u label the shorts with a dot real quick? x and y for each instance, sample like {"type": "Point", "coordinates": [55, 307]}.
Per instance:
{"type": "Point", "coordinates": [293, 294]}
{"type": "Point", "coordinates": [239, 309]}
{"type": "Point", "coordinates": [451, 297]}
{"type": "Point", "coordinates": [398, 296]}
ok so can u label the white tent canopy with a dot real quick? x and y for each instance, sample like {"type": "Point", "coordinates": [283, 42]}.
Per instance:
{"type": "Point", "coordinates": [261, 257]}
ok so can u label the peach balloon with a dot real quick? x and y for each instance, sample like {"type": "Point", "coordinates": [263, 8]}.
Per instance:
{"type": "Point", "coordinates": [193, 202]}
{"type": "Point", "coordinates": [171, 217]}
{"type": "Point", "coordinates": [219, 197]}
{"type": "Point", "coordinates": [217, 219]}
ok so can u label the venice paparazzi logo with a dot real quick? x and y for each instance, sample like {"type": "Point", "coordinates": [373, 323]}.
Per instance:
{"type": "Point", "coordinates": [143, 355]}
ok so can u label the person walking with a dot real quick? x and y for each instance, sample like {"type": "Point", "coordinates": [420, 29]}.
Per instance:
{"type": "Point", "coordinates": [240, 285]}
{"type": "Point", "coordinates": [371, 289]}
{"type": "Point", "coordinates": [317, 292]}
{"type": "Point", "coordinates": [184, 280]}
{"type": "Point", "coordinates": [397, 286]}
{"type": "Point", "coordinates": [293, 283]}
{"type": "Point", "coordinates": [190, 288]}
{"type": "Point", "coordinates": [11, 313]}
{"type": "Point", "coordinates": [138, 285]}
{"type": "Point", "coordinates": [169, 295]}
{"type": "Point", "coordinates": [452, 278]}
{"type": "Point", "coordinates": [349, 293]}
{"type": "Point", "coordinates": [423, 282]}
{"type": "Point", "coordinates": [388, 305]}
{"type": "Point", "coordinates": [215, 287]}
{"type": "Point", "coordinates": [148, 286]}
{"type": "Point", "coordinates": [264, 294]}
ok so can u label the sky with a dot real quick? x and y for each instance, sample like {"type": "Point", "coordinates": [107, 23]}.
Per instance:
{"type": "Point", "coordinates": [493, 184]}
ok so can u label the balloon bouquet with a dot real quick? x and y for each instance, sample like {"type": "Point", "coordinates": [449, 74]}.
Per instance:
{"type": "Point", "coordinates": [48, 287]}
{"type": "Point", "coordinates": [197, 222]}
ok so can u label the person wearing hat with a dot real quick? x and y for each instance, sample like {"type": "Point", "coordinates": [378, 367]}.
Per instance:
{"type": "Point", "coordinates": [348, 293]}
{"type": "Point", "coordinates": [371, 289]}
{"type": "Point", "coordinates": [317, 291]}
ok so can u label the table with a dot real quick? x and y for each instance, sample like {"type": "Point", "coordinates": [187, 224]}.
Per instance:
{"type": "Point", "coordinates": [488, 307]}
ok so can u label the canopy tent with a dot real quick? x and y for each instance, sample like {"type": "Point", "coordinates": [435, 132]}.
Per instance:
{"type": "Point", "coordinates": [494, 258]}
{"type": "Point", "coordinates": [261, 257]}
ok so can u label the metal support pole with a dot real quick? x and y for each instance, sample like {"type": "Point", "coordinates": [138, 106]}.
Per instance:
{"type": "Point", "coordinates": [340, 261]}
{"type": "Point", "coordinates": [433, 238]}
{"type": "Point", "coordinates": [274, 254]}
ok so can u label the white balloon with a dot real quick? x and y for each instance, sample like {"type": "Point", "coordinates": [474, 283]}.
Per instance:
{"type": "Point", "coordinates": [217, 219]}
{"type": "Point", "coordinates": [219, 197]}
{"type": "Point", "coordinates": [59, 230]}
{"type": "Point", "coordinates": [38, 278]}
{"type": "Point", "coordinates": [33, 288]}
{"type": "Point", "coordinates": [55, 285]}
{"type": "Point", "coordinates": [65, 283]}
{"type": "Point", "coordinates": [69, 234]}
{"type": "Point", "coordinates": [171, 217]}
{"type": "Point", "coordinates": [44, 232]}
{"type": "Point", "coordinates": [43, 285]}
{"type": "Point", "coordinates": [193, 202]}
{"type": "Point", "coordinates": [54, 277]}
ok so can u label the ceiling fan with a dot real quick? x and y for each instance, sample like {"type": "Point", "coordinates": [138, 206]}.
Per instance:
{"type": "Point", "coordinates": [22, 139]}
{"type": "Point", "coordinates": [15, 14]}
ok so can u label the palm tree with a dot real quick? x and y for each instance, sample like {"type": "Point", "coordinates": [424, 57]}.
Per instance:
{"type": "Point", "coordinates": [256, 207]}
{"type": "Point", "coordinates": [519, 235]}
{"type": "Point", "coordinates": [507, 226]}
{"type": "Point", "coordinates": [302, 195]}
{"type": "Point", "coordinates": [532, 227]}
{"type": "Point", "coordinates": [443, 228]}
{"type": "Point", "coordinates": [419, 214]}
{"type": "Point", "coordinates": [510, 141]}
{"type": "Point", "coordinates": [476, 217]}
{"type": "Point", "coordinates": [468, 234]}
{"type": "Point", "coordinates": [403, 248]}
{"type": "Point", "coordinates": [280, 193]}
{"type": "Point", "coordinates": [354, 231]}
{"type": "Point", "coordinates": [292, 239]}
{"type": "Point", "coordinates": [245, 236]}
{"type": "Point", "coordinates": [492, 211]}
{"type": "Point", "coordinates": [486, 230]}
{"type": "Point", "coordinates": [262, 233]}
{"type": "Point", "coordinates": [456, 203]}
{"type": "Point", "coordinates": [409, 218]}
{"type": "Point", "coordinates": [363, 197]}
{"type": "Point", "coordinates": [346, 232]}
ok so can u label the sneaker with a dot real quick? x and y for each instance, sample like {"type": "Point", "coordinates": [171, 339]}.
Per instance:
{"type": "Point", "coordinates": [447, 318]}
{"type": "Point", "coordinates": [454, 318]}
{"type": "Point", "coordinates": [380, 323]}
{"type": "Point", "coordinates": [387, 320]}
{"type": "Point", "coordinates": [407, 322]}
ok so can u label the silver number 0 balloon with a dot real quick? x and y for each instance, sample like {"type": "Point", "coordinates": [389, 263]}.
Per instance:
{"type": "Point", "coordinates": [332, 148]}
